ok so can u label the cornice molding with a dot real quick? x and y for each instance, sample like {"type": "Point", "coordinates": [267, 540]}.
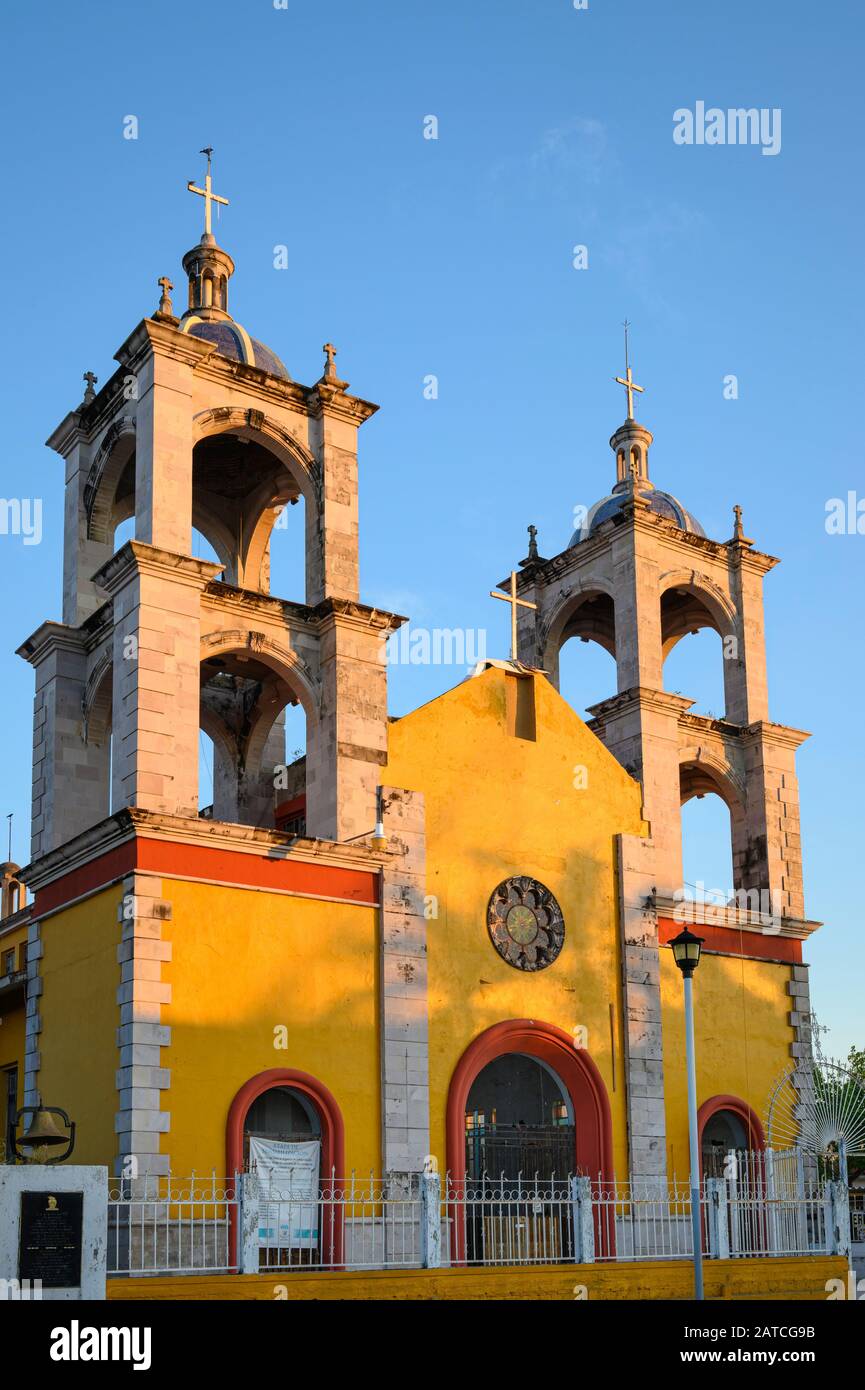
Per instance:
{"type": "Point", "coordinates": [686, 912]}
{"type": "Point", "coordinates": [51, 637]}
{"type": "Point", "coordinates": [136, 557]}
{"type": "Point", "coordinates": [132, 822]}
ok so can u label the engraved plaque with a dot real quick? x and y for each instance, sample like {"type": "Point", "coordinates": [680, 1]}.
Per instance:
{"type": "Point", "coordinates": [50, 1243]}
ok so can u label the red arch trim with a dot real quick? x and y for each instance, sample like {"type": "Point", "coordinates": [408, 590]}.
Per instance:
{"type": "Point", "coordinates": [741, 1109]}
{"type": "Point", "coordinates": [574, 1068]}
{"type": "Point", "coordinates": [332, 1140]}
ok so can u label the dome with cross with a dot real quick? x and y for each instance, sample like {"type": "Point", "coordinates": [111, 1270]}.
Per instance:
{"type": "Point", "coordinates": [209, 269]}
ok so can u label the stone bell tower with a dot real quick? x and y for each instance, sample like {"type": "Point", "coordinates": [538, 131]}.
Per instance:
{"type": "Point", "coordinates": [202, 427]}
{"type": "Point", "coordinates": [637, 576]}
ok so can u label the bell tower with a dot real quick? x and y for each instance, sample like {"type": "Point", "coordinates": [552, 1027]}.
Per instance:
{"type": "Point", "coordinates": [201, 426]}
{"type": "Point", "coordinates": [637, 576]}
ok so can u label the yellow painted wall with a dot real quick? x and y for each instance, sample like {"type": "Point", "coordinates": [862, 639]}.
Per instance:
{"type": "Point", "coordinates": [246, 963]}
{"type": "Point", "coordinates": [783, 1280]}
{"type": "Point", "coordinates": [499, 805]}
{"type": "Point", "coordinates": [742, 1037]}
{"type": "Point", "coordinates": [78, 1043]}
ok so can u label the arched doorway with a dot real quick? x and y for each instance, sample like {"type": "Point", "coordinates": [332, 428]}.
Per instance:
{"type": "Point", "coordinates": [526, 1111]}
{"type": "Point", "coordinates": [282, 1108]}
{"type": "Point", "coordinates": [729, 1126]}
{"type": "Point", "coordinates": [519, 1121]}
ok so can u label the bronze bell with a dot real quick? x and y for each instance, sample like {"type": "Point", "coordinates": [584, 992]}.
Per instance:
{"type": "Point", "coordinates": [44, 1132]}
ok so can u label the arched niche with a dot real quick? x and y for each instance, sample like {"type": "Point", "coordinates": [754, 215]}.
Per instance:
{"type": "Point", "coordinates": [321, 1101]}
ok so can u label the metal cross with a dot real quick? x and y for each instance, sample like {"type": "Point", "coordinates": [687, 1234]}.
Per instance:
{"type": "Point", "coordinates": [207, 192]}
{"type": "Point", "coordinates": [627, 380]}
{"type": "Point", "coordinates": [515, 603]}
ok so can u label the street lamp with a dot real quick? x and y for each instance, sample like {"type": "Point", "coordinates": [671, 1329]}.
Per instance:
{"type": "Point", "coordinates": [686, 949]}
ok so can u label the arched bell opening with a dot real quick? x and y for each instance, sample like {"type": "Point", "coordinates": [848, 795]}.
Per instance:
{"type": "Point", "coordinates": [248, 488]}
{"type": "Point", "coordinates": [109, 494]}
{"type": "Point", "coordinates": [98, 737]}
{"type": "Point", "coordinates": [713, 824]}
{"type": "Point", "coordinates": [701, 667]}
{"type": "Point", "coordinates": [580, 652]}
{"type": "Point", "coordinates": [256, 719]}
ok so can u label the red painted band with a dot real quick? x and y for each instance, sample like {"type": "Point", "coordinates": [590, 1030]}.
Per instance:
{"type": "Point", "coordinates": [167, 858]}
{"type": "Point", "coordinates": [729, 941]}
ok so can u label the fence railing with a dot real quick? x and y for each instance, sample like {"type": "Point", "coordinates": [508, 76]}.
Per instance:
{"type": "Point", "coordinates": [404, 1221]}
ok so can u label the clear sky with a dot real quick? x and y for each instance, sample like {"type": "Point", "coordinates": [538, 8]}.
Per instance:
{"type": "Point", "coordinates": [453, 258]}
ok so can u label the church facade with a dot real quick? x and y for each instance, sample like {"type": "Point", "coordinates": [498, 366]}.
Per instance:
{"type": "Point", "coordinates": [439, 938]}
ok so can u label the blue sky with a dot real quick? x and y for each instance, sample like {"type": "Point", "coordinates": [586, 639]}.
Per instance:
{"type": "Point", "coordinates": [453, 257]}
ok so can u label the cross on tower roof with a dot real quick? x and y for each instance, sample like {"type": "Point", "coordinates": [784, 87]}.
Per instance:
{"type": "Point", "coordinates": [627, 380]}
{"type": "Point", "coordinates": [207, 192]}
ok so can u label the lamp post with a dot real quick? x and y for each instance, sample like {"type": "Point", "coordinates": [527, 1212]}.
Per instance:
{"type": "Point", "coordinates": [686, 952]}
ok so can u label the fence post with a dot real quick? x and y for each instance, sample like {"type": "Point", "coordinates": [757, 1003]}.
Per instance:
{"type": "Point", "coordinates": [801, 1212]}
{"type": "Point", "coordinates": [772, 1225]}
{"type": "Point", "coordinates": [584, 1227]}
{"type": "Point", "coordinates": [247, 1223]}
{"type": "Point", "coordinates": [430, 1220]}
{"type": "Point", "coordinates": [718, 1221]}
{"type": "Point", "coordinates": [838, 1219]}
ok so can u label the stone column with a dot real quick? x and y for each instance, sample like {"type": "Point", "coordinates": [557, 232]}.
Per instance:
{"type": "Point", "coordinates": [141, 1037]}
{"type": "Point", "coordinates": [33, 1019]}
{"type": "Point", "coordinates": [70, 776]}
{"type": "Point", "coordinates": [641, 1004]}
{"type": "Point", "coordinates": [745, 687]}
{"type": "Point", "coordinates": [332, 537]}
{"type": "Point", "coordinates": [162, 361]}
{"type": "Point", "coordinates": [404, 1021]}
{"type": "Point", "coordinates": [81, 555]}
{"type": "Point", "coordinates": [157, 656]}
{"type": "Point", "coordinates": [347, 745]}
{"type": "Point", "coordinates": [773, 854]}
{"type": "Point", "coordinates": [639, 654]}
{"type": "Point", "coordinates": [641, 729]}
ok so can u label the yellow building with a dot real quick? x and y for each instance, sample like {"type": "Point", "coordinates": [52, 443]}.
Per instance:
{"type": "Point", "coordinates": [439, 938]}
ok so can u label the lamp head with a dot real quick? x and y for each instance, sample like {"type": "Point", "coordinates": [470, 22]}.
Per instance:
{"type": "Point", "coordinates": [686, 948]}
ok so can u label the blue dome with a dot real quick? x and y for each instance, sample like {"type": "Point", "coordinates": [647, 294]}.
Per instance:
{"type": "Point", "coordinates": [233, 341]}
{"type": "Point", "coordinates": [661, 503]}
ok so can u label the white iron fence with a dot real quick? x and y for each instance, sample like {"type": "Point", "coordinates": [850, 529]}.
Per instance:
{"type": "Point", "coordinates": [762, 1207]}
